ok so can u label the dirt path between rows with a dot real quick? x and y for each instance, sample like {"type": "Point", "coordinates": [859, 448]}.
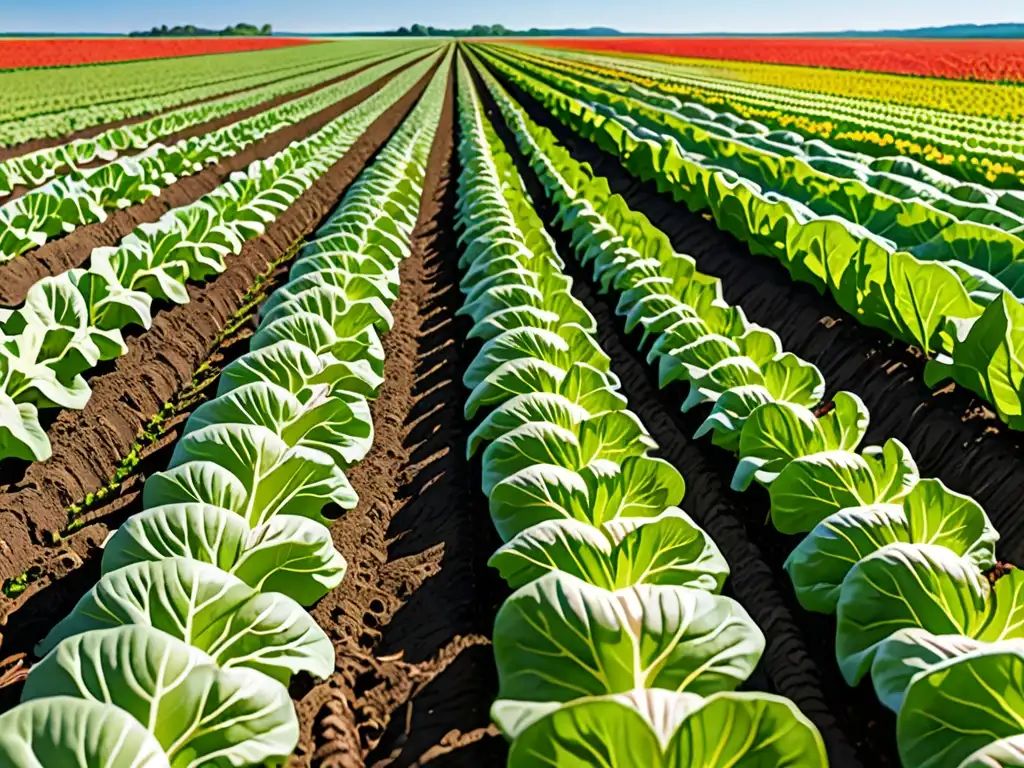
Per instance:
{"type": "Point", "coordinates": [951, 433]}
{"type": "Point", "coordinates": [799, 658]}
{"type": "Point", "coordinates": [411, 621]}
{"type": "Point", "coordinates": [160, 364]}
{"type": "Point", "coordinates": [73, 250]}
{"type": "Point", "coordinates": [35, 145]}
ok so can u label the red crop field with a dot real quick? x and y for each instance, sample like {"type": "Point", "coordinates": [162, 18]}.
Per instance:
{"type": "Point", "coordinates": [990, 60]}
{"type": "Point", "coordinates": [65, 52]}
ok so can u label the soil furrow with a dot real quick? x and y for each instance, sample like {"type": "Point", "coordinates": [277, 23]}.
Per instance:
{"type": "Point", "coordinates": [89, 444]}
{"type": "Point", "coordinates": [414, 675]}
{"type": "Point", "coordinates": [34, 145]}
{"type": "Point", "coordinates": [951, 433]}
{"type": "Point", "coordinates": [73, 250]}
{"type": "Point", "coordinates": [799, 661]}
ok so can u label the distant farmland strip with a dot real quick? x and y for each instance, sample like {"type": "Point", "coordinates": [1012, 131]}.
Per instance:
{"type": "Point", "coordinates": [49, 103]}
{"type": "Point", "coordinates": [989, 60]}
{"type": "Point", "coordinates": [64, 52]}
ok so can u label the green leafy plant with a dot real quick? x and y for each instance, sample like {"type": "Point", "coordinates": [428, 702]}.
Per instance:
{"type": "Point", "coordinates": [615, 624]}
{"type": "Point", "coordinates": [903, 560]}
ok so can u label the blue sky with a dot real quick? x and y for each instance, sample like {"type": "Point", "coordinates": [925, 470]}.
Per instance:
{"type": "Point", "coordinates": [632, 15]}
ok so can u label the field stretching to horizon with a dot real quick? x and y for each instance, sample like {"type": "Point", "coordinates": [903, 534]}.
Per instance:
{"type": "Point", "coordinates": [573, 402]}
{"type": "Point", "coordinates": [37, 52]}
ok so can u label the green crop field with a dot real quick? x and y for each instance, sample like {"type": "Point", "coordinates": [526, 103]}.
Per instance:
{"type": "Point", "coordinates": [573, 402]}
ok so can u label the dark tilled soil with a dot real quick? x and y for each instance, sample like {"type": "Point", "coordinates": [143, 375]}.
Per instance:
{"type": "Point", "coordinates": [411, 621]}
{"type": "Point", "coordinates": [799, 658]}
{"type": "Point", "coordinates": [73, 250]}
{"type": "Point", "coordinates": [951, 433]}
{"type": "Point", "coordinates": [86, 133]}
{"type": "Point", "coordinates": [88, 444]}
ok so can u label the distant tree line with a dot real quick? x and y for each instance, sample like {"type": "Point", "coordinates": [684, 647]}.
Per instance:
{"type": "Point", "coordinates": [189, 30]}
{"type": "Point", "coordinates": [477, 30]}
{"type": "Point", "coordinates": [488, 30]}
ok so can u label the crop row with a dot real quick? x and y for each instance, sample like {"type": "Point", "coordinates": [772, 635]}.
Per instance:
{"type": "Point", "coordinates": [181, 653]}
{"type": "Point", "coordinates": [904, 562]}
{"type": "Point", "coordinates": [824, 106]}
{"type": "Point", "coordinates": [16, 53]}
{"type": "Point", "coordinates": [910, 297]}
{"type": "Point", "coordinates": [32, 169]}
{"type": "Point", "coordinates": [985, 150]}
{"type": "Point", "coordinates": [973, 229]}
{"type": "Point", "coordinates": [64, 204]}
{"type": "Point", "coordinates": [55, 102]}
{"type": "Point", "coordinates": [616, 646]}
{"type": "Point", "coordinates": [999, 100]}
{"type": "Point", "coordinates": [983, 59]}
{"type": "Point", "coordinates": [71, 322]}
{"type": "Point", "coordinates": [863, 190]}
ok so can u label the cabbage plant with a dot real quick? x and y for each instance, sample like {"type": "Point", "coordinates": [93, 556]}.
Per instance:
{"type": "Point", "coordinates": [71, 322]}
{"type": "Point", "coordinates": [615, 646]}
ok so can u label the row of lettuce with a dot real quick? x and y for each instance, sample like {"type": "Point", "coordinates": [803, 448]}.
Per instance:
{"type": "Point", "coordinates": [616, 647]}
{"type": "Point", "coordinates": [985, 150]}
{"type": "Point", "coordinates": [85, 197]}
{"type": "Point", "coordinates": [899, 176]}
{"type": "Point", "coordinates": [905, 563]}
{"type": "Point", "coordinates": [904, 204]}
{"type": "Point", "coordinates": [943, 298]}
{"type": "Point", "coordinates": [71, 322]}
{"type": "Point", "coordinates": [54, 102]}
{"type": "Point", "coordinates": [35, 168]}
{"type": "Point", "coordinates": [181, 653]}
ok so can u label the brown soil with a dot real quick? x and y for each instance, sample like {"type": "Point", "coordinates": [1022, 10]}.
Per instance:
{"type": "Point", "coordinates": [799, 659]}
{"type": "Point", "coordinates": [88, 444]}
{"type": "Point", "coordinates": [18, 275]}
{"type": "Point", "coordinates": [213, 125]}
{"type": "Point", "coordinates": [87, 133]}
{"type": "Point", "coordinates": [951, 433]}
{"type": "Point", "coordinates": [415, 673]}
{"type": "Point", "coordinates": [52, 592]}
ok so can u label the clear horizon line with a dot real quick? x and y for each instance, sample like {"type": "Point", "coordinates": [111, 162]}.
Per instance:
{"type": "Point", "coordinates": [624, 33]}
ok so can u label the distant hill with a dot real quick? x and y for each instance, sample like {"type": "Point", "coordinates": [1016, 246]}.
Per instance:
{"type": "Point", "coordinates": [952, 31]}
